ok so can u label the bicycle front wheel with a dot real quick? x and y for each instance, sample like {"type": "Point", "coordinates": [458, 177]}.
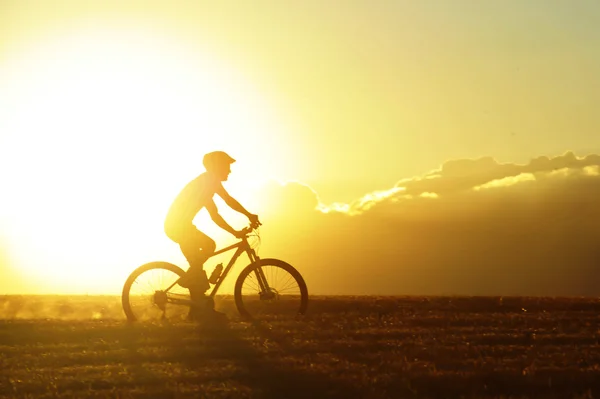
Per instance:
{"type": "Point", "coordinates": [150, 293]}
{"type": "Point", "coordinates": [270, 288]}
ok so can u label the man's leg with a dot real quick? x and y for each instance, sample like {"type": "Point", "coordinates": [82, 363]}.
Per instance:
{"type": "Point", "coordinates": [197, 248]}
{"type": "Point", "coordinates": [204, 249]}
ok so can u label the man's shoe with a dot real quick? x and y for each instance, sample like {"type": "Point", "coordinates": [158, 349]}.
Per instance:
{"type": "Point", "coordinates": [205, 313]}
{"type": "Point", "coordinates": [194, 279]}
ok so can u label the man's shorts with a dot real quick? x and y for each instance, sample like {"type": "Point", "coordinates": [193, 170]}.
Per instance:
{"type": "Point", "coordinates": [190, 240]}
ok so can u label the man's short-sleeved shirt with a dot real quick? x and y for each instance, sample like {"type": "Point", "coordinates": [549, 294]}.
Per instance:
{"type": "Point", "coordinates": [194, 196]}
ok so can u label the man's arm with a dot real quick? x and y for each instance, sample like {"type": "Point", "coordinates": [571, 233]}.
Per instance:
{"type": "Point", "coordinates": [218, 219]}
{"type": "Point", "coordinates": [232, 202]}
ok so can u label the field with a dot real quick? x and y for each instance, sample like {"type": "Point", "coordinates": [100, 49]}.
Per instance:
{"type": "Point", "coordinates": [346, 347]}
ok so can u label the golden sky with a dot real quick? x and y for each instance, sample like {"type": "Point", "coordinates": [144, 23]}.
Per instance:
{"type": "Point", "coordinates": [107, 106]}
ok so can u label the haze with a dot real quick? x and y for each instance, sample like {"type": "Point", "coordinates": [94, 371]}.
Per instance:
{"type": "Point", "coordinates": [395, 147]}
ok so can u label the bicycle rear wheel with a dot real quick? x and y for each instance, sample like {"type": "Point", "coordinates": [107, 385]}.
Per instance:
{"type": "Point", "coordinates": [147, 296]}
{"type": "Point", "coordinates": [270, 288]}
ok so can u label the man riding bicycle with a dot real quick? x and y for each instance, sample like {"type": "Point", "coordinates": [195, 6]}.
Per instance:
{"type": "Point", "coordinates": [196, 246]}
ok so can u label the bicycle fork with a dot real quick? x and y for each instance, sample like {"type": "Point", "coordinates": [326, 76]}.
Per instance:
{"type": "Point", "coordinates": [266, 293]}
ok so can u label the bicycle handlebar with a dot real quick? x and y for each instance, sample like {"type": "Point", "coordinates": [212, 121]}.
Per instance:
{"type": "Point", "coordinates": [255, 225]}
{"type": "Point", "coordinates": [248, 230]}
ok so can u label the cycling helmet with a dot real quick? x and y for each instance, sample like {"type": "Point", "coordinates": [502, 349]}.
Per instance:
{"type": "Point", "coordinates": [214, 160]}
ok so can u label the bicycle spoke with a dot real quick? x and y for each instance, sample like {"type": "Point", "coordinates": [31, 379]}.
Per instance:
{"type": "Point", "coordinates": [148, 299]}
{"type": "Point", "coordinates": [290, 284]}
{"type": "Point", "coordinates": [282, 294]}
{"type": "Point", "coordinates": [255, 284]}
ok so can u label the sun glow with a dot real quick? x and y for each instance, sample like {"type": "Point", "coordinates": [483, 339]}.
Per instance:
{"type": "Point", "coordinates": [99, 131]}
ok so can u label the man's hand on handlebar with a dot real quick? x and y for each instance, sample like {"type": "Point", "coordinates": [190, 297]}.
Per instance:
{"type": "Point", "coordinates": [254, 222]}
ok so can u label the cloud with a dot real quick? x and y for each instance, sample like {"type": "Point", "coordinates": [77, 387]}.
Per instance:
{"type": "Point", "coordinates": [470, 227]}
{"type": "Point", "coordinates": [455, 176]}
{"type": "Point", "coordinates": [473, 227]}
{"type": "Point", "coordinates": [506, 181]}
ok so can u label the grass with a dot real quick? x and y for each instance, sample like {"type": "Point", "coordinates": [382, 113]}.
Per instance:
{"type": "Point", "coordinates": [346, 347]}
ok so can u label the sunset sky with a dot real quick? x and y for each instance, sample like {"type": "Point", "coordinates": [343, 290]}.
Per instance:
{"type": "Point", "coordinates": [447, 139]}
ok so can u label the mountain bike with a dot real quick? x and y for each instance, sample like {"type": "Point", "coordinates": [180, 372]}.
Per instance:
{"type": "Point", "coordinates": [264, 287]}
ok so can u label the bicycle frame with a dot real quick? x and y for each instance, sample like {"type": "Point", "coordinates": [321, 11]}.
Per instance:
{"type": "Point", "coordinates": [241, 247]}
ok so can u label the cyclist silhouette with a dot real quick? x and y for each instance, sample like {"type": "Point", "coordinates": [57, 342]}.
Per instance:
{"type": "Point", "coordinates": [197, 194]}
